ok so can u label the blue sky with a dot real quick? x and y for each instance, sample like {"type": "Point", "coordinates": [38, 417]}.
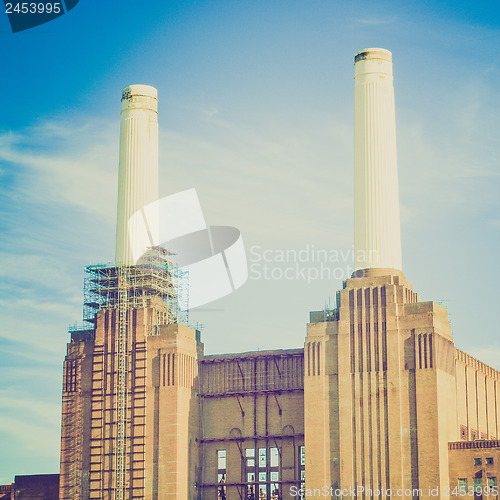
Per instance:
{"type": "Point", "coordinates": [256, 113]}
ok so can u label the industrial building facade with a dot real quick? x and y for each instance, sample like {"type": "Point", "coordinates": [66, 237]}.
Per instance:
{"type": "Point", "coordinates": [379, 402]}
{"type": "Point", "coordinates": [378, 398]}
{"type": "Point", "coordinates": [198, 426]}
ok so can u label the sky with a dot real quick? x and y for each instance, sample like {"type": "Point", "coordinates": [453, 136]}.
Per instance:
{"type": "Point", "coordinates": [256, 113]}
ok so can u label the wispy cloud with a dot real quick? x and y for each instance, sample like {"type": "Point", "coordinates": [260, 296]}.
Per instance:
{"type": "Point", "coordinates": [451, 155]}
{"type": "Point", "coordinates": [32, 437]}
{"type": "Point", "coordinates": [64, 165]}
{"type": "Point", "coordinates": [34, 410]}
{"type": "Point", "coordinates": [270, 177]}
{"type": "Point", "coordinates": [375, 21]}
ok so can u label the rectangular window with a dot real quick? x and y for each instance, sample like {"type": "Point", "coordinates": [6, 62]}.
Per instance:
{"type": "Point", "coordinates": [251, 491]}
{"type": "Point", "coordinates": [275, 491]}
{"type": "Point", "coordinates": [302, 484]}
{"type": "Point", "coordinates": [274, 457]}
{"type": "Point", "coordinates": [302, 462]}
{"type": "Point", "coordinates": [221, 459]}
{"type": "Point", "coordinates": [262, 491]}
{"type": "Point", "coordinates": [477, 461]}
{"type": "Point", "coordinates": [221, 489]}
{"type": "Point", "coordinates": [463, 433]}
{"type": "Point", "coordinates": [478, 485]}
{"type": "Point", "coordinates": [250, 455]}
{"type": "Point", "coordinates": [492, 482]}
{"type": "Point", "coordinates": [262, 457]}
{"type": "Point", "coordinates": [462, 485]}
{"type": "Point", "coordinates": [262, 477]}
{"type": "Point", "coordinates": [489, 460]}
{"type": "Point", "coordinates": [275, 476]}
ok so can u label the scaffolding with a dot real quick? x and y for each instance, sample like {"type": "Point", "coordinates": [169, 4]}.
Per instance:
{"type": "Point", "coordinates": [155, 275]}
{"type": "Point", "coordinates": [121, 389]}
{"type": "Point", "coordinates": [123, 288]}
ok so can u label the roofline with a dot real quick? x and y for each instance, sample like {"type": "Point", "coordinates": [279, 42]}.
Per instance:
{"type": "Point", "coordinates": [253, 354]}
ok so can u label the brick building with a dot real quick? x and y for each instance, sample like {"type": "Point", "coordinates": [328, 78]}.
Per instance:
{"type": "Point", "coordinates": [378, 403]}
{"type": "Point", "coordinates": [474, 468]}
{"type": "Point", "coordinates": [31, 487]}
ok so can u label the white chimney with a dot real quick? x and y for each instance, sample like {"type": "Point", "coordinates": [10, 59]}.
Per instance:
{"type": "Point", "coordinates": [138, 174]}
{"type": "Point", "coordinates": [377, 234]}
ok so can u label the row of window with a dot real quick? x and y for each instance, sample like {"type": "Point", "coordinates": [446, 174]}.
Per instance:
{"type": "Point", "coordinates": [265, 457]}
{"type": "Point", "coordinates": [479, 461]}
{"type": "Point", "coordinates": [265, 482]}
{"type": "Point", "coordinates": [474, 434]}
{"type": "Point", "coordinates": [274, 457]}
{"type": "Point", "coordinates": [463, 484]}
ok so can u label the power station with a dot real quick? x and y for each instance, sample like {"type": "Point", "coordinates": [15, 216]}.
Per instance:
{"type": "Point", "coordinates": [378, 403]}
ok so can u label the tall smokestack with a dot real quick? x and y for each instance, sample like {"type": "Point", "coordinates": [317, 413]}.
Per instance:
{"type": "Point", "coordinates": [377, 234]}
{"type": "Point", "coordinates": [138, 174]}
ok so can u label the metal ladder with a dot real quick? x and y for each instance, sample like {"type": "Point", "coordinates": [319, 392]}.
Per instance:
{"type": "Point", "coordinates": [122, 385]}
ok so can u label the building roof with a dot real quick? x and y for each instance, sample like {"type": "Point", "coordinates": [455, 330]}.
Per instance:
{"type": "Point", "coordinates": [252, 354]}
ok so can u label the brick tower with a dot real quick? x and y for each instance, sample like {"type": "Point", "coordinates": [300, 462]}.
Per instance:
{"type": "Point", "coordinates": [380, 373]}
{"type": "Point", "coordinates": [130, 415]}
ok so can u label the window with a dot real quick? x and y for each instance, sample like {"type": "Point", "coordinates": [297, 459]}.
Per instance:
{"type": "Point", "coordinates": [221, 459]}
{"type": "Point", "coordinates": [477, 461]}
{"type": "Point", "coordinates": [262, 469]}
{"type": "Point", "coordinates": [274, 457]}
{"type": "Point", "coordinates": [221, 475]}
{"type": "Point", "coordinates": [262, 457]}
{"type": "Point", "coordinates": [262, 491]}
{"type": "Point", "coordinates": [489, 461]}
{"type": "Point", "coordinates": [274, 475]}
{"type": "Point", "coordinates": [251, 474]}
{"type": "Point", "coordinates": [492, 482]}
{"type": "Point", "coordinates": [462, 485]}
{"type": "Point", "coordinates": [463, 432]}
{"type": "Point", "coordinates": [302, 463]}
{"type": "Point", "coordinates": [250, 454]}
{"type": "Point", "coordinates": [478, 485]}
{"type": "Point", "coordinates": [221, 490]}
{"type": "Point", "coordinates": [251, 488]}
{"type": "Point", "coordinates": [275, 487]}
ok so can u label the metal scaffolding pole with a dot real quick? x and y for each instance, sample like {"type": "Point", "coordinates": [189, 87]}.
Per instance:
{"type": "Point", "coordinates": [122, 379]}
